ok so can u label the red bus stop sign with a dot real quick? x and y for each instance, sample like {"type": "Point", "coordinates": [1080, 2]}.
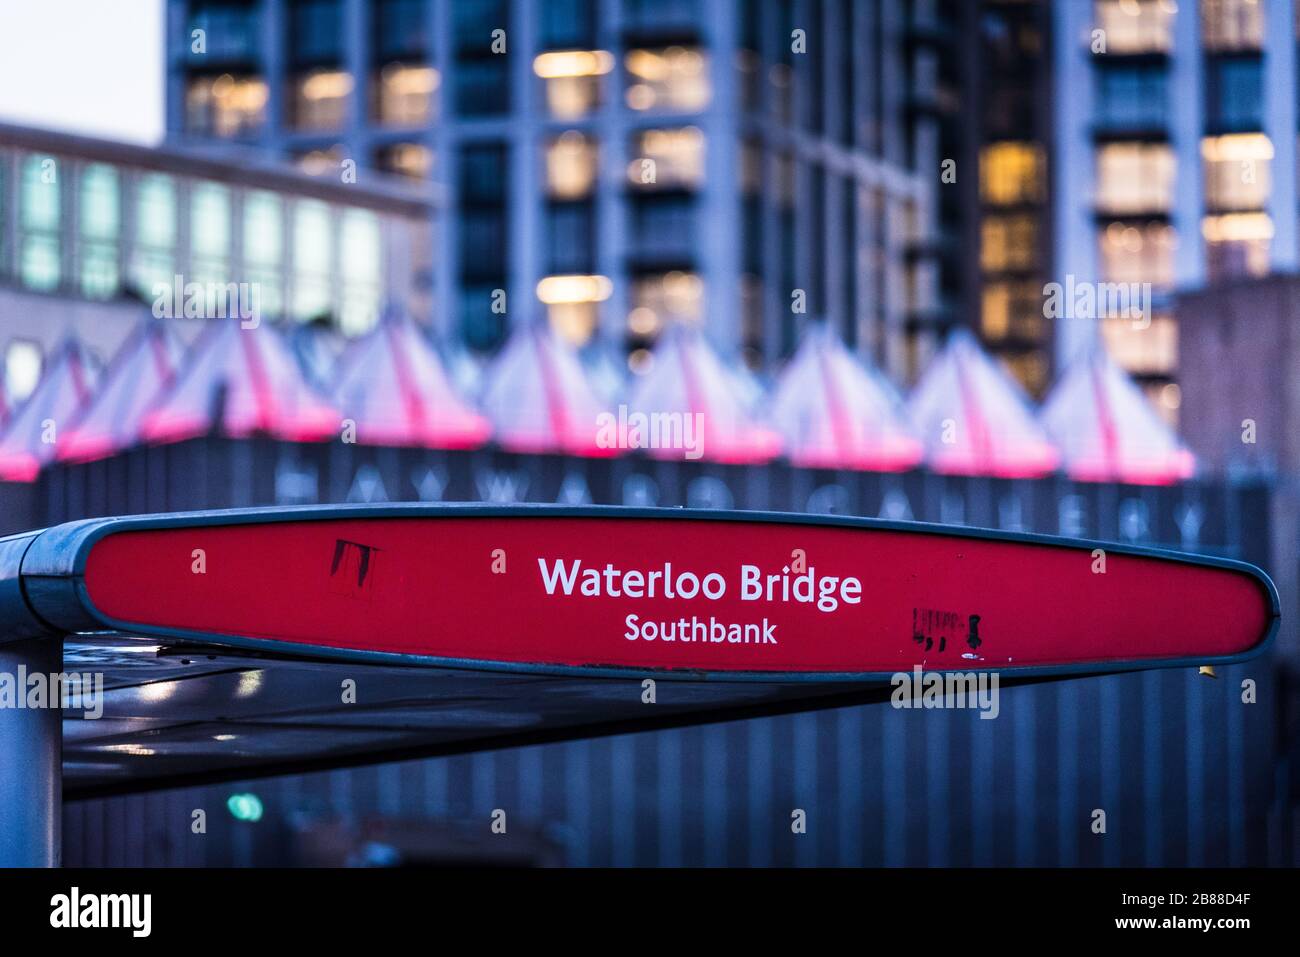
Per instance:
{"type": "Point", "coordinates": [225, 636]}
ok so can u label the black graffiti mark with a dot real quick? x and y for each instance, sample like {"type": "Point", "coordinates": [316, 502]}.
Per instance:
{"type": "Point", "coordinates": [345, 553]}
{"type": "Point", "coordinates": [929, 625]}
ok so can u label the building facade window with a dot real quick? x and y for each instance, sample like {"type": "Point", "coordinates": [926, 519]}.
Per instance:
{"type": "Point", "coordinates": [1136, 26]}
{"type": "Point", "coordinates": [483, 248]}
{"type": "Point", "coordinates": [663, 229]}
{"type": "Point", "coordinates": [572, 304]}
{"type": "Point", "coordinates": [230, 31]}
{"type": "Point", "coordinates": [22, 369]}
{"type": "Point", "coordinates": [318, 100]}
{"type": "Point", "coordinates": [671, 79]}
{"type": "Point", "coordinates": [1135, 178]}
{"type": "Point", "coordinates": [1132, 97]}
{"type": "Point", "coordinates": [39, 219]}
{"type": "Point", "coordinates": [572, 163]}
{"type": "Point", "coordinates": [482, 76]}
{"type": "Point", "coordinates": [1236, 245]}
{"type": "Point", "coordinates": [210, 232]}
{"type": "Point", "coordinates": [412, 160]}
{"type": "Point", "coordinates": [1012, 309]}
{"type": "Point", "coordinates": [658, 300]}
{"type": "Point", "coordinates": [153, 260]}
{"type": "Point", "coordinates": [666, 159]}
{"type": "Point", "coordinates": [1150, 350]}
{"type": "Point", "coordinates": [1237, 169]}
{"type": "Point", "coordinates": [573, 80]}
{"type": "Point", "coordinates": [1234, 94]}
{"type": "Point", "coordinates": [571, 237]}
{"type": "Point", "coordinates": [264, 249]}
{"type": "Point", "coordinates": [566, 24]}
{"type": "Point", "coordinates": [324, 161]}
{"type": "Point", "coordinates": [1138, 252]}
{"type": "Point", "coordinates": [359, 264]}
{"type": "Point", "coordinates": [404, 94]}
{"type": "Point", "coordinates": [670, 16]}
{"type": "Point", "coordinates": [225, 105]}
{"type": "Point", "coordinates": [1011, 173]}
{"type": "Point", "coordinates": [1232, 24]}
{"type": "Point", "coordinates": [1008, 243]}
{"type": "Point", "coordinates": [99, 223]}
{"type": "Point", "coordinates": [312, 243]}
{"type": "Point", "coordinates": [316, 32]}
{"type": "Point", "coordinates": [400, 29]}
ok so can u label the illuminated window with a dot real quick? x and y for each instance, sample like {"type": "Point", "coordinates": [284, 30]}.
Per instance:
{"type": "Point", "coordinates": [311, 259]}
{"type": "Point", "coordinates": [318, 100]}
{"type": "Point", "coordinates": [1237, 244]}
{"type": "Point", "coordinates": [154, 257]}
{"type": "Point", "coordinates": [39, 216]}
{"type": "Point", "coordinates": [667, 159]}
{"type": "Point", "coordinates": [571, 164]}
{"type": "Point", "coordinates": [995, 310]}
{"type": "Point", "coordinates": [210, 220]}
{"type": "Point", "coordinates": [1012, 310]}
{"type": "Point", "coordinates": [1011, 173]}
{"type": "Point", "coordinates": [1232, 24]}
{"type": "Point", "coordinates": [659, 300]}
{"type": "Point", "coordinates": [264, 248]}
{"type": "Point", "coordinates": [572, 80]}
{"type": "Point", "coordinates": [1142, 349]}
{"type": "Point", "coordinates": [572, 304]}
{"type": "Point", "coordinates": [321, 162]}
{"type": "Point", "coordinates": [1138, 253]}
{"type": "Point", "coordinates": [210, 234]}
{"type": "Point", "coordinates": [23, 360]}
{"type": "Point", "coordinates": [1135, 178]}
{"type": "Point", "coordinates": [1008, 243]}
{"type": "Point", "coordinates": [412, 160]}
{"type": "Point", "coordinates": [676, 78]}
{"type": "Point", "coordinates": [1136, 26]}
{"type": "Point", "coordinates": [1029, 369]}
{"type": "Point", "coordinates": [359, 262]}
{"type": "Point", "coordinates": [99, 222]}
{"type": "Point", "coordinates": [225, 105]}
{"type": "Point", "coordinates": [1237, 171]}
{"type": "Point", "coordinates": [404, 94]}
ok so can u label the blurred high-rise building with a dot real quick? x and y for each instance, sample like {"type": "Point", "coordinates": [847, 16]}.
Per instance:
{"type": "Point", "coordinates": [1126, 142]}
{"type": "Point", "coordinates": [619, 165]}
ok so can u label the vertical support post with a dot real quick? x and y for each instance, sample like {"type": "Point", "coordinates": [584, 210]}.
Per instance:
{"type": "Point", "coordinates": [31, 759]}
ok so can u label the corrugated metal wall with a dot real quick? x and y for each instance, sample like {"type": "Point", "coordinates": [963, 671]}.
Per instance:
{"type": "Point", "coordinates": [1182, 768]}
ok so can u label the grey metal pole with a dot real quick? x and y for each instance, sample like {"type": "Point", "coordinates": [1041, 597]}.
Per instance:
{"type": "Point", "coordinates": [31, 761]}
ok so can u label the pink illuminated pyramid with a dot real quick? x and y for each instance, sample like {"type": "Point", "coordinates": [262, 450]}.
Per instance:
{"type": "Point", "coordinates": [394, 386]}
{"type": "Point", "coordinates": [240, 382]}
{"type": "Point", "coordinates": [143, 368]}
{"type": "Point", "coordinates": [687, 377]}
{"type": "Point", "coordinates": [974, 419]}
{"type": "Point", "coordinates": [538, 397]}
{"type": "Point", "coordinates": [833, 411]}
{"type": "Point", "coordinates": [32, 434]}
{"type": "Point", "coordinates": [1106, 428]}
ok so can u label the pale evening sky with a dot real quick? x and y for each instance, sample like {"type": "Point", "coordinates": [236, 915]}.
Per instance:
{"type": "Point", "coordinates": [83, 66]}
